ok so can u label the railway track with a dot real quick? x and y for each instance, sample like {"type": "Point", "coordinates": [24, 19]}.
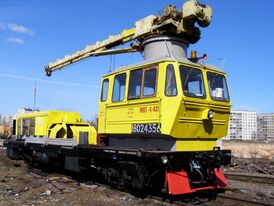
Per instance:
{"type": "Point", "coordinates": [212, 198]}
{"type": "Point", "coordinates": [201, 198]}
{"type": "Point", "coordinates": [263, 179]}
{"type": "Point", "coordinates": [204, 197]}
{"type": "Point", "coordinates": [237, 200]}
{"type": "Point", "coordinates": [218, 197]}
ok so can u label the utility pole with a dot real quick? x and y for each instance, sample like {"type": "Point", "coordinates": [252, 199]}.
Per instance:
{"type": "Point", "coordinates": [34, 97]}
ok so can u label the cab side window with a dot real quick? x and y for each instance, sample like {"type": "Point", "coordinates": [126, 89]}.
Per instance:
{"type": "Point", "coordinates": [135, 84]}
{"type": "Point", "coordinates": [104, 92]}
{"type": "Point", "coordinates": [170, 86]}
{"type": "Point", "coordinates": [142, 83]}
{"type": "Point", "coordinates": [119, 88]}
{"type": "Point", "coordinates": [149, 82]}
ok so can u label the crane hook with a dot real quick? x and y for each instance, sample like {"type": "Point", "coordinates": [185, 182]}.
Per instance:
{"type": "Point", "coordinates": [48, 72]}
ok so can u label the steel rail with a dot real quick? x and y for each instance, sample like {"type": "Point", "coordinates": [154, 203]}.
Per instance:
{"type": "Point", "coordinates": [265, 179]}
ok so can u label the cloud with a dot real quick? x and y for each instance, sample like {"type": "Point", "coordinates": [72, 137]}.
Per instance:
{"type": "Point", "coordinates": [20, 29]}
{"type": "Point", "coordinates": [15, 40]}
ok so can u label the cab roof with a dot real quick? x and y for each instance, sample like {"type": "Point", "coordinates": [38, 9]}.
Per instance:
{"type": "Point", "coordinates": [166, 58]}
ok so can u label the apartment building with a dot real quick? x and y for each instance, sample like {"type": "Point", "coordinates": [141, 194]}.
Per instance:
{"type": "Point", "coordinates": [265, 124]}
{"type": "Point", "coordinates": [242, 125]}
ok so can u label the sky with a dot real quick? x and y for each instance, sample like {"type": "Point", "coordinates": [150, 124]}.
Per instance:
{"type": "Point", "coordinates": [33, 33]}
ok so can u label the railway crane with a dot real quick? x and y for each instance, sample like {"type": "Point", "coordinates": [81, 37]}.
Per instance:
{"type": "Point", "coordinates": [159, 120]}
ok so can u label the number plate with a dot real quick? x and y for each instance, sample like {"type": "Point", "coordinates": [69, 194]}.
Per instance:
{"type": "Point", "coordinates": [151, 128]}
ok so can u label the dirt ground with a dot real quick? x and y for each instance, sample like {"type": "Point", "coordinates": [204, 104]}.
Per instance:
{"type": "Point", "coordinates": [250, 157]}
{"type": "Point", "coordinates": [250, 150]}
{"type": "Point", "coordinates": [21, 184]}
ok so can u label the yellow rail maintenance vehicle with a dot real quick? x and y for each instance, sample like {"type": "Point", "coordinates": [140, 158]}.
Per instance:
{"type": "Point", "coordinates": [159, 120]}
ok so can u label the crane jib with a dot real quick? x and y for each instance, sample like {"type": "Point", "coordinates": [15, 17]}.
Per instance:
{"type": "Point", "coordinates": [177, 23]}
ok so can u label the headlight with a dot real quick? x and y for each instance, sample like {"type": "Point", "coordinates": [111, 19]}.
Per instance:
{"type": "Point", "coordinates": [210, 114]}
{"type": "Point", "coordinates": [164, 159]}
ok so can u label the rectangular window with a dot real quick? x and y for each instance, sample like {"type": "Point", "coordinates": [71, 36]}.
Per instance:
{"type": "Point", "coordinates": [32, 126]}
{"type": "Point", "coordinates": [170, 86]}
{"type": "Point", "coordinates": [142, 83]}
{"type": "Point", "coordinates": [192, 82]}
{"type": "Point", "coordinates": [149, 82]}
{"type": "Point", "coordinates": [25, 127]}
{"type": "Point", "coordinates": [19, 126]}
{"type": "Point", "coordinates": [217, 87]}
{"type": "Point", "coordinates": [119, 88]}
{"type": "Point", "coordinates": [104, 92]}
{"type": "Point", "coordinates": [135, 84]}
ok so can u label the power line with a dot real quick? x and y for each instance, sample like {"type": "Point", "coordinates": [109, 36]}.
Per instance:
{"type": "Point", "coordinates": [47, 81]}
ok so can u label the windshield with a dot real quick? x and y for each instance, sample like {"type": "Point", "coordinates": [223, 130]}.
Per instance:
{"type": "Point", "coordinates": [192, 82]}
{"type": "Point", "coordinates": [217, 87]}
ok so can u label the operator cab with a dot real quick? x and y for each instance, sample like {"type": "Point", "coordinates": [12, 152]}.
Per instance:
{"type": "Point", "coordinates": [172, 104]}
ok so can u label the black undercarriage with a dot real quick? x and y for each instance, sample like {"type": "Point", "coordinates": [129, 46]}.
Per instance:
{"type": "Point", "coordinates": [135, 168]}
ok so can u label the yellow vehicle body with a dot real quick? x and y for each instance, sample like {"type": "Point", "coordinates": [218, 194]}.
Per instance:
{"type": "Point", "coordinates": [54, 124]}
{"type": "Point", "coordinates": [180, 117]}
